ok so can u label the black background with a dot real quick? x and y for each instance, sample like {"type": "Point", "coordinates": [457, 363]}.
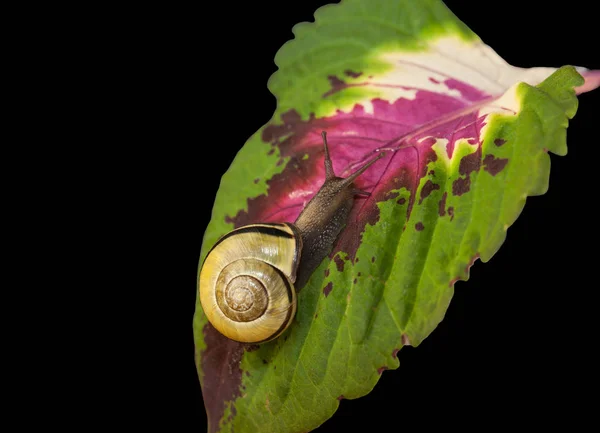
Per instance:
{"type": "Point", "coordinates": [517, 345]}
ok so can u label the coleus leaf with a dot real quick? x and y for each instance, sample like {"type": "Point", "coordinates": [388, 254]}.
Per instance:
{"type": "Point", "coordinates": [467, 138]}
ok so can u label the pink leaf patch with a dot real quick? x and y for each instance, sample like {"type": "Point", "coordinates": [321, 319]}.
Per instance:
{"type": "Point", "coordinates": [405, 128]}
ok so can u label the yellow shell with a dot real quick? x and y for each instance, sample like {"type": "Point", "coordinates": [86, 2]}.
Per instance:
{"type": "Point", "coordinates": [246, 283]}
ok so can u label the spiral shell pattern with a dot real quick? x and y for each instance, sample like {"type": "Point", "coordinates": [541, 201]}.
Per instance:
{"type": "Point", "coordinates": [246, 282]}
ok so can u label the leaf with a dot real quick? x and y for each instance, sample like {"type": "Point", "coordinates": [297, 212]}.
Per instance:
{"type": "Point", "coordinates": [467, 138]}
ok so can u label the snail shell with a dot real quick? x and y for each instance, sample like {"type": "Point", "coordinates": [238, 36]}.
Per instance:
{"type": "Point", "coordinates": [247, 281]}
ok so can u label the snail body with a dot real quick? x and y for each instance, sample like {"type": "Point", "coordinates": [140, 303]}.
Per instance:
{"type": "Point", "coordinates": [248, 281]}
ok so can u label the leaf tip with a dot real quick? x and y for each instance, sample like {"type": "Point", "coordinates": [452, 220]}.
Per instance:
{"type": "Point", "coordinates": [592, 81]}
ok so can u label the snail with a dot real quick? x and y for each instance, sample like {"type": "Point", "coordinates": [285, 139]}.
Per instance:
{"type": "Point", "coordinates": [246, 282]}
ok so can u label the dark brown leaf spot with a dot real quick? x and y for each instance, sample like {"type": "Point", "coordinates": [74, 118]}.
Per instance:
{"type": "Point", "coordinates": [326, 272]}
{"type": "Point", "coordinates": [499, 141]}
{"type": "Point", "coordinates": [233, 410]}
{"type": "Point", "coordinates": [327, 289]}
{"type": "Point", "coordinates": [272, 133]}
{"type": "Point", "coordinates": [427, 189]}
{"type": "Point", "coordinates": [352, 74]}
{"type": "Point", "coordinates": [355, 280]}
{"type": "Point", "coordinates": [356, 260]}
{"type": "Point", "coordinates": [419, 226]}
{"type": "Point", "coordinates": [265, 361]}
{"type": "Point", "coordinates": [431, 172]}
{"type": "Point", "coordinates": [451, 212]}
{"type": "Point", "coordinates": [271, 152]}
{"type": "Point", "coordinates": [430, 155]}
{"type": "Point", "coordinates": [335, 81]}
{"type": "Point", "coordinates": [248, 373]}
{"type": "Point", "coordinates": [373, 259]}
{"type": "Point", "coordinates": [442, 205]}
{"type": "Point", "coordinates": [470, 163]}
{"type": "Point", "coordinates": [494, 165]}
{"type": "Point", "coordinates": [339, 263]}
{"type": "Point", "coordinates": [336, 85]}
{"type": "Point", "coordinates": [358, 275]}
{"type": "Point", "coordinates": [401, 201]}
{"type": "Point", "coordinates": [461, 186]}
{"type": "Point", "coordinates": [291, 117]}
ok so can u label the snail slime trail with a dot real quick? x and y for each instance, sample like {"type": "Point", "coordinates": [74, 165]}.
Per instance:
{"type": "Point", "coordinates": [247, 292]}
